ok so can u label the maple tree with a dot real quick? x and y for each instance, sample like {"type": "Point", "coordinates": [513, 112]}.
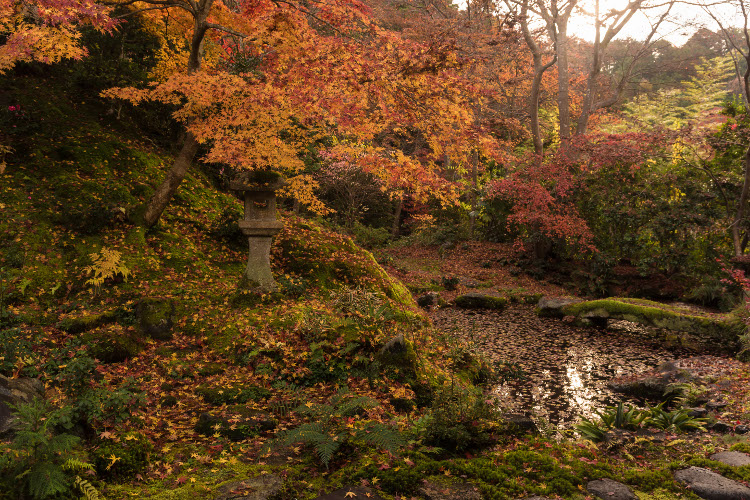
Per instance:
{"type": "Point", "coordinates": [323, 72]}
{"type": "Point", "coordinates": [47, 31]}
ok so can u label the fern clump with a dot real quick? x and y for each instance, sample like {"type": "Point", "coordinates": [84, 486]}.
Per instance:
{"type": "Point", "coordinates": [41, 463]}
{"type": "Point", "coordinates": [628, 418]}
{"type": "Point", "coordinates": [106, 264]}
{"type": "Point", "coordinates": [336, 424]}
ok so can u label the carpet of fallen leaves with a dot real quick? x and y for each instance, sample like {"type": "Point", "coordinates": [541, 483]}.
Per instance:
{"type": "Point", "coordinates": [477, 265]}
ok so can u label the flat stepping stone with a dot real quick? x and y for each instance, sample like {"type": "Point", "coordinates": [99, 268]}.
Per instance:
{"type": "Point", "coordinates": [553, 306]}
{"type": "Point", "coordinates": [351, 493]}
{"type": "Point", "coordinates": [733, 458]}
{"type": "Point", "coordinates": [610, 490]}
{"type": "Point", "coordinates": [710, 485]}
{"type": "Point", "coordinates": [255, 488]}
{"type": "Point", "coordinates": [433, 490]}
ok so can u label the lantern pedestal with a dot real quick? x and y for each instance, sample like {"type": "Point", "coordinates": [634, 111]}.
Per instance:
{"type": "Point", "coordinates": [259, 225]}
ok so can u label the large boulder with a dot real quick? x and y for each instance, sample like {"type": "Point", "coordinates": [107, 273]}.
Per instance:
{"type": "Point", "coordinates": [15, 391]}
{"type": "Point", "coordinates": [710, 485]}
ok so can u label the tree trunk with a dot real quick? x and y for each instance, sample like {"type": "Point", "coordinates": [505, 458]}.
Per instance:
{"type": "Point", "coordinates": [473, 193]}
{"type": "Point", "coordinates": [168, 187]}
{"type": "Point", "coordinates": [181, 165]}
{"type": "Point", "coordinates": [588, 99]}
{"type": "Point", "coordinates": [563, 80]}
{"type": "Point", "coordinates": [736, 233]}
{"type": "Point", "coordinates": [536, 83]}
{"type": "Point", "coordinates": [396, 226]}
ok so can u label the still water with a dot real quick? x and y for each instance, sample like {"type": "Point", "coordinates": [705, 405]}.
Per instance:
{"type": "Point", "coordinates": [565, 368]}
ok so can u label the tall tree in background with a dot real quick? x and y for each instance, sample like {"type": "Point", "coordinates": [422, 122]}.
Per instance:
{"type": "Point", "coordinates": [740, 53]}
{"type": "Point", "coordinates": [556, 15]}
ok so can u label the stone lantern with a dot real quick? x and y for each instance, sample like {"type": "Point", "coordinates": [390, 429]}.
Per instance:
{"type": "Point", "coordinates": [259, 225]}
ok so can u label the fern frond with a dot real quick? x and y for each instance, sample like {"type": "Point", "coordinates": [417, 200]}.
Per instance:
{"type": "Point", "coordinates": [382, 436]}
{"type": "Point", "coordinates": [106, 264]}
{"type": "Point", "coordinates": [75, 465]}
{"type": "Point", "coordinates": [88, 490]}
{"type": "Point", "coordinates": [326, 447]}
{"type": "Point", "coordinates": [351, 407]}
{"type": "Point", "coordinates": [46, 480]}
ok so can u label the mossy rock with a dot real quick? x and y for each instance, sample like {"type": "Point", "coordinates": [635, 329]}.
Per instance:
{"type": "Point", "coordinates": [227, 395]}
{"type": "Point", "coordinates": [112, 345]}
{"type": "Point", "coordinates": [132, 451]}
{"type": "Point", "coordinates": [399, 359]}
{"type": "Point", "coordinates": [155, 317]}
{"type": "Point", "coordinates": [480, 301]}
{"type": "Point", "coordinates": [86, 323]}
{"type": "Point", "coordinates": [249, 425]}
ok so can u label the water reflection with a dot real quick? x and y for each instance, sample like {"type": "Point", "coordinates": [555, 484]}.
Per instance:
{"type": "Point", "coordinates": [567, 368]}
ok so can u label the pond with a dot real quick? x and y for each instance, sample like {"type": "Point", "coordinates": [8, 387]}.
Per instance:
{"type": "Point", "coordinates": [565, 368]}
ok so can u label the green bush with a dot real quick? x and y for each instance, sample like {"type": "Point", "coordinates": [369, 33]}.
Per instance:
{"type": "Point", "coordinates": [226, 227]}
{"type": "Point", "coordinates": [93, 405]}
{"type": "Point", "coordinates": [16, 350]}
{"type": "Point", "coordinates": [41, 463]}
{"type": "Point", "coordinates": [459, 419]}
{"type": "Point", "coordinates": [370, 237]}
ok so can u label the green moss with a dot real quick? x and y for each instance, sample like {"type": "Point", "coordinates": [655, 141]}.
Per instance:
{"type": "Point", "coordinates": [86, 323]}
{"type": "Point", "coordinates": [329, 261]}
{"type": "Point", "coordinates": [722, 329]}
{"type": "Point", "coordinates": [648, 480]}
{"type": "Point", "coordinates": [210, 369]}
{"type": "Point", "coordinates": [741, 447]}
{"type": "Point", "coordinates": [480, 301]}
